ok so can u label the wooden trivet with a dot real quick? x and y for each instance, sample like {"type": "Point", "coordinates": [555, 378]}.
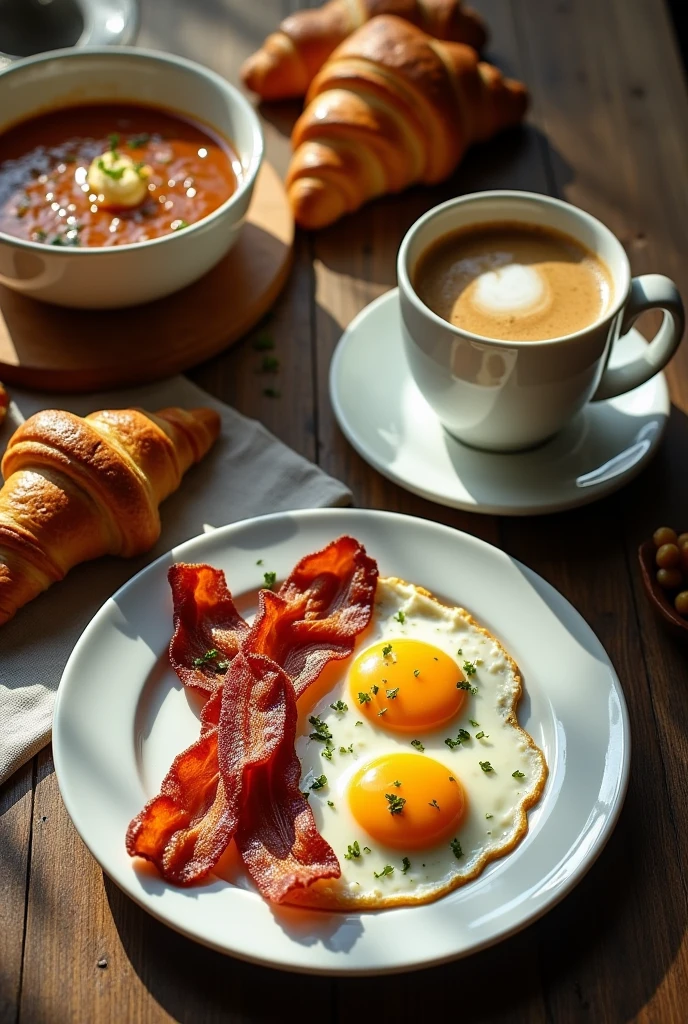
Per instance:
{"type": "Point", "coordinates": [54, 349]}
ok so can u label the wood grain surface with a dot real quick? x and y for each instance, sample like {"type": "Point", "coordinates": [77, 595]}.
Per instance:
{"type": "Point", "coordinates": [607, 131]}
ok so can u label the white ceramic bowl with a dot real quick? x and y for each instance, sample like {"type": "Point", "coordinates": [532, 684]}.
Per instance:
{"type": "Point", "coordinates": [125, 275]}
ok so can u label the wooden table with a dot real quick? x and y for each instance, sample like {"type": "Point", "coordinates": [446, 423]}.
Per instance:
{"type": "Point", "coordinates": [608, 131]}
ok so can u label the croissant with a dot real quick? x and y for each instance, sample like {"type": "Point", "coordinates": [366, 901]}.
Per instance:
{"type": "Point", "coordinates": [288, 59]}
{"type": "Point", "coordinates": [392, 107]}
{"type": "Point", "coordinates": [78, 488]}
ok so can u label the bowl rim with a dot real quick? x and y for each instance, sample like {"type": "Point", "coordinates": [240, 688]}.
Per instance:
{"type": "Point", "coordinates": [160, 56]}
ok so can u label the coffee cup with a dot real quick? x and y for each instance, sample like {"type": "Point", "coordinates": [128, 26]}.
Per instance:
{"type": "Point", "coordinates": [507, 395]}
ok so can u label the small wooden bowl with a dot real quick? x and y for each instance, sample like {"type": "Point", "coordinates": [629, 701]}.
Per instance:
{"type": "Point", "coordinates": [658, 597]}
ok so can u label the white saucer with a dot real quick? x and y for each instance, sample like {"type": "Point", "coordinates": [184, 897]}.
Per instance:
{"type": "Point", "coordinates": [389, 423]}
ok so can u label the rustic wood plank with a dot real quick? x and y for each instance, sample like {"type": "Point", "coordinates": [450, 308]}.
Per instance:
{"type": "Point", "coordinates": [607, 162]}
{"type": "Point", "coordinates": [16, 807]}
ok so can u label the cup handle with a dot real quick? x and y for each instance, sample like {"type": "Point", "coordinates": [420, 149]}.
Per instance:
{"type": "Point", "coordinates": [651, 291]}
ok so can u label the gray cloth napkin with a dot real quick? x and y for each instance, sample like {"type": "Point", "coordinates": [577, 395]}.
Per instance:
{"type": "Point", "coordinates": [248, 472]}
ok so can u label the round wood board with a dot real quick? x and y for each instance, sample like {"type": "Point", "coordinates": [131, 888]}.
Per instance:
{"type": "Point", "coordinates": [54, 349]}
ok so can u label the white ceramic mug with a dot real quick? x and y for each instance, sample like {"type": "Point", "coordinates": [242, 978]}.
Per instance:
{"type": "Point", "coordinates": [510, 395]}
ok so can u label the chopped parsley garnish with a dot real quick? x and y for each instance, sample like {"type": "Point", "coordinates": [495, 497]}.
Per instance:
{"type": "Point", "coordinates": [113, 139]}
{"type": "Point", "coordinates": [400, 617]}
{"type": "Point", "coordinates": [469, 668]}
{"type": "Point", "coordinates": [462, 736]}
{"type": "Point", "coordinates": [459, 653]}
{"type": "Point", "coordinates": [396, 803]}
{"type": "Point", "coordinates": [518, 775]}
{"type": "Point", "coordinates": [406, 864]}
{"type": "Point", "coordinates": [480, 735]}
{"type": "Point", "coordinates": [347, 750]}
{"type": "Point", "coordinates": [386, 650]}
{"type": "Point", "coordinates": [179, 225]}
{"type": "Point", "coordinates": [359, 722]}
{"type": "Point", "coordinates": [322, 729]}
{"type": "Point", "coordinates": [382, 712]}
{"type": "Point", "coordinates": [112, 172]}
{"type": "Point", "coordinates": [467, 686]}
{"type": "Point", "coordinates": [452, 779]}
{"type": "Point", "coordinates": [486, 766]}
{"type": "Point", "coordinates": [326, 753]}
{"type": "Point", "coordinates": [209, 659]}
{"type": "Point", "coordinates": [353, 851]}
{"type": "Point", "coordinates": [456, 848]}
{"type": "Point", "coordinates": [263, 343]}
{"type": "Point", "coordinates": [488, 816]}
{"type": "Point", "coordinates": [452, 744]}
{"type": "Point", "coordinates": [339, 706]}
{"type": "Point", "coordinates": [387, 870]}
{"type": "Point", "coordinates": [366, 849]}
{"type": "Point", "coordinates": [374, 689]}
{"type": "Point", "coordinates": [474, 723]}
{"type": "Point", "coordinates": [364, 698]}
{"type": "Point", "coordinates": [137, 141]}
{"type": "Point", "coordinates": [259, 562]}
{"type": "Point", "coordinates": [330, 803]}
{"type": "Point", "coordinates": [416, 672]}
{"type": "Point", "coordinates": [269, 578]}
{"type": "Point", "coordinates": [391, 694]}
{"type": "Point", "coordinates": [418, 745]}
{"type": "Point", "coordinates": [320, 782]}
{"type": "Point", "coordinates": [432, 803]}
{"type": "Point", "coordinates": [269, 364]}
{"type": "Point", "coordinates": [397, 783]}
{"type": "Point", "coordinates": [272, 393]}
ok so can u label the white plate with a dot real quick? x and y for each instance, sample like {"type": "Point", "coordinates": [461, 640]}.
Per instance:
{"type": "Point", "coordinates": [386, 419]}
{"type": "Point", "coordinates": [122, 716]}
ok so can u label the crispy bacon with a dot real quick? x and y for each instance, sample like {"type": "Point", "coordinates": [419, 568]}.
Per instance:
{"type": "Point", "coordinates": [205, 619]}
{"type": "Point", "coordinates": [241, 778]}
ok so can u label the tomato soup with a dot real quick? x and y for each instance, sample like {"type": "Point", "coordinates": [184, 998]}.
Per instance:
{"type": "Point", "coordinates": [63, 175]}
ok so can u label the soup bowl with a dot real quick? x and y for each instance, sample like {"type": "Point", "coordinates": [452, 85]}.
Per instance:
{"type": "Point", "coordinates": [93, 277]}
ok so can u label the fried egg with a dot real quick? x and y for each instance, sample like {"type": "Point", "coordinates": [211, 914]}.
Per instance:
{"type": "Point", "coordinates": [412, 757]}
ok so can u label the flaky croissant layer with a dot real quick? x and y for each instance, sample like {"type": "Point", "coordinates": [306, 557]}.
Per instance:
{"type": "Point", "coordinates": [392, 107]}
{"type": "Point", "coordinates": [289, 58]}
{"type": "Point", "coordinates": [78, 488]}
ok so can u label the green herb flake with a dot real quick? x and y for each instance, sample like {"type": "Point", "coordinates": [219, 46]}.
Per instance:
{"type": "Point", "coordinates": [452, 779]}
{"type": "Point", "coordinates": [322, 730]}
{"type": "Point", "coordinates": [391, 694]}
{"type": "Point", "coordinates": [330, 803]}
{"type": "Point", "coordinates": [518, 775]}
{"type": "Point", "coordinates": [387, 870]}
{"type": "Point", "coordinates": [112, 172]}
{"type": "Point", "coordinates": [353, 852]}
{"type": "Point", "coordinates": [405, 865]}
{"type": "Point", "coordinates": [210, 659]}
{"type": "Point", "coordinates": [397, 783]}
{"type": "Point", "coordinates": [364, 698]}
{"type": "Point", "coordinates": [486, 766]}
{"type": "Point", "coordinates": [400, 617]}
{"type": "Point", "coordinates": [396, 803]}
{"type": "Point", "coordinates": [467, 686]}
{"type": "Point", "coordinates": [455, 847]}
{"type": "Point", "coordinates": [347, 750]}
{"type": "Point", "coordinates": [469, 668]}
{"type": "Point", "coordinates": [339, 706]}
{"type": "Point", "coordinates": [382, 712]}
{"type": "Point", "coordinates": [113, 139]}
{"type": "Point", "coordinates": [326, 753]}
{"type": "Point", "coordinates": [386, 650]}
{"type": "Point", "coordinates": [320, 782]}
{"type": "Point", "coordinates": [452, 744]}
{"type": "Point", "coordinates": [488, 816]}
{"type": "Point", "coordinates": [464, 735]}
{"type": "Point", "coordinates": [270, 578]}
{"type": "Point", "coordinates": [359, 722]}
{"type": "Point", "coordinates": [416, 672]}
{"type": "Point", "coordinates": [432, 803]}
{"type": "Point", "coordinates": [459, 653]}
{"type": "Point", "coordinates": [374, 689]}
{"type": "Point", "coordinates": [366, 849]}
{"type": "Point", "coordinates": [418, 745]}
{"type": "Point", "coordinates": [259, 562]}
{"type": "Point", "coordinates": [482, 735]}
{"type": "Point", "coordinates": [474, 723]}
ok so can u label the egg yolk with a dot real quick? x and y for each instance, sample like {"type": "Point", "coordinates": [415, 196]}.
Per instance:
{"type": "Point", "coordinates": [406, 685]}
{"type": "Point", "coordinates": [407, 801]}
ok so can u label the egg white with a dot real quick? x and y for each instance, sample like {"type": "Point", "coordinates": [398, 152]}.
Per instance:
{"type": "Point", "coordinates": [496, 818]}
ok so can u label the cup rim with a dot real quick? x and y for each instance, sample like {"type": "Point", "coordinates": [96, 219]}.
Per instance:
{"type": "Point", "coordinates": [245, 185]}
{"type": "Point", "coordinates": [538, 198]}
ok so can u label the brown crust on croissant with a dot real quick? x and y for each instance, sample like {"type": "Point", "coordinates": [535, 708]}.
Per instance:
{"type": "Point", "coordinates": [77, 488]}
{"type": "Point", "coordinates": [289, 58]}
{"type": "Point", "coordinates": [392, 107]}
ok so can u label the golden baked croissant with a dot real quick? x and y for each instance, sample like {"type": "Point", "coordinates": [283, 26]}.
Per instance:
{"type": "Point", "coordinates": [78, 488]}
{"type": "Point", "coordinates": [288, 59]}
{"type": "Point", "coordinates": [392, 107]}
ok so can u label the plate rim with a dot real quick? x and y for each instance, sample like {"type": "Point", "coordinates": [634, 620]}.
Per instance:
{"type": "Point", "coordinates": [480, 508]}
{"type": "Point", "coordinates": [416, 962]}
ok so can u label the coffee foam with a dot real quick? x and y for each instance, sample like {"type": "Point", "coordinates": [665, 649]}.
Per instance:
{"type": "Point", "coordinates": [516, 289]}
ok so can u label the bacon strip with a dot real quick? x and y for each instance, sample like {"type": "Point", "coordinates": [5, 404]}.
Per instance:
{"type": "Point", "coordinates": [249, 787]}
{"type": "Point", "coordinates": [205, 619]}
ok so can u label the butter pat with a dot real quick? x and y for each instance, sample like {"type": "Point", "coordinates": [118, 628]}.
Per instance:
{"type": "Point", "coordinates": [117, 180]}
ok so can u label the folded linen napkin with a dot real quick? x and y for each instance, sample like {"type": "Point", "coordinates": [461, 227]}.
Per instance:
{"type": "Point", "coordinates": [247, 472]}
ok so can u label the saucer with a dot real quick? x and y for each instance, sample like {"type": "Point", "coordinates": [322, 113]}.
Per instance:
{"type": "Point", "coordinates": [386, 419]}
